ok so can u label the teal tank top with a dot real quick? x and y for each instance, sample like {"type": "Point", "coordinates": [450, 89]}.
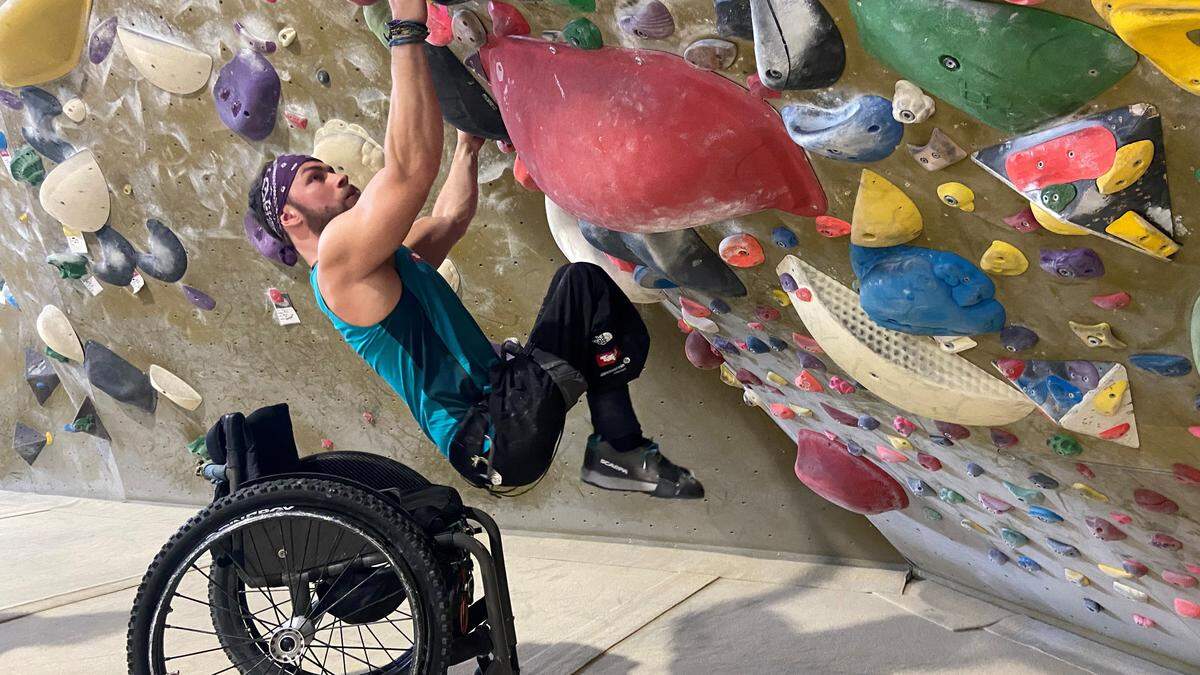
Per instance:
{"type": "Point", "coordinates": [429, 348]}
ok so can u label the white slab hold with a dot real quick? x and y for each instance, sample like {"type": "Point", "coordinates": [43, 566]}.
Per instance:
{"type": "Point", "coordinates": [1090, 417]}
{"type": "Point", "coordinates": [349, 149]}
{"type": "Point", "coordinates": [76, 194]}
{"type": "Point", "coordinates": [908, 371]}
{"type": "Point", "coordinates": [173, 388]}
{"type": "Point", "coordinates": [54, 328]}
{"type": "Point", "coordinates": [166, 65]}
{"type": "Point", "coordinates": [564, 227]}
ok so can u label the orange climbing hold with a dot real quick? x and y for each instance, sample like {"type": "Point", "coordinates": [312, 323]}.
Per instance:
{"type": "Point", "coordinates": [782, 411]}
{"type": "Point", "coordinates": [522, 175]}
{"type": "Point", "coordinates": [828, 226]}
{"type": "Point", "coordinates": [806, 381]}
{"type": "Point", "coordinates": [741, 250]}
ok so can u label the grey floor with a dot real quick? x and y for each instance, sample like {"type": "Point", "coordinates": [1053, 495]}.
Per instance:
{"type": "Point", "coordinates": [71, 567]}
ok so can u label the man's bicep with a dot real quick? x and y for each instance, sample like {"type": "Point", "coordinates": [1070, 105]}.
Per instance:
{"type": "Point", "coordinates": [370, 233]}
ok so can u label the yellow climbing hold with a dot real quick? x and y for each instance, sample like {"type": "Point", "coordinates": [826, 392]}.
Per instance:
{"type": "Point", "coordinates": [883, 214]}
{"type": "Point", "coordinates": [1090, 492]}
{"type": "Point", "coordinates": [1108, 399]}
{"type": "Point", "coordinates": [781, 298]}
{"type": "Point", "coordinates": [1162, 31]}
{"type": "Point", "coordinates": [1076, 578]}
{"type": "Point", "coordinates": [729, 377]}
{"type": "Point", "coordinates": [1130, 592]}
{"type": "Point", "coordinates": [1096, 335]}
{"type": "Point", "coordinates": [777, 380]}
{"type": "Point", "coordinates": [1138, 231]}
{"type": "Point", "coordinates": [1131, 162]}
{"type": "Point", "coordinates": [1004, 259]}
{"type": "Point", "coordinates": [972, 525]}
{"type": "Point", "coordinates": [800, 410]}
{"type": "Point", "coordinates": [899, 443]}
{"type": "Point", "coordinates": [1052, 223]}
{"type": "Point", "coordinates": [42, 39]}
{"type": "Point", "coordinates": [1117, 572]}
{"type": "Point", "coordinates": [957, 195]}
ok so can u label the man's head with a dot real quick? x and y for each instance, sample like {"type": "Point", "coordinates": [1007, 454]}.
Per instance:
{"type": "Point", "coordinates": [295, 198]}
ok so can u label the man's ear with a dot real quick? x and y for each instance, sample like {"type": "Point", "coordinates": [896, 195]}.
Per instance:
{"type": "Point", "coordinates": [290, 216]}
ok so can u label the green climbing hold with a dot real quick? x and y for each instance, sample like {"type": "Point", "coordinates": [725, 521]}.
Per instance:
{"type": "Point", "coordinates": [1058, 197]}
{"type": "Point", "coordinates": [70, 265]}
{"type": "Point", "coordinates": [583, 34]}
{"type": "Point", "coordinates": [27, 166]}
{"type": "Point", "coordinates": [579, 5]}
{"type": "Point", "coordinates": [1011, 66]}
{"type": "Point", "coordinates": [950, 496]}
{"type": "Point", "coordinates": [1027, 495]}
{"type": "Point", "coordinates": [199, 448]}
{"type": "Point", "coordinates": [56, 356]}
{"type": "Point", "coordinates": [85, 424]}
{"type": "Point", "coordinates": [932, 513]}
{"type": "Point", "coordinates": [1013, 538]}
{"type": "Point", "coordinates": [1064, 444]}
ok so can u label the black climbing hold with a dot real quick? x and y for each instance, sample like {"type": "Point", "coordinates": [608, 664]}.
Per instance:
{"type": "Point", "coordinates": [323, 77]}
{"type": "Point", "coordinates": [466, 105]}
{"type": "Point", "coordinates": [117, 377]}
{"type": "Point", "coordinates": [1043, 481]}
{"type": "Point", "coordinates": [117, 258]}
{"type": "Point", "coordinates": [40, 375]}
{"type": "Point", "coordinates": [733, 19]}
{"type": "Point", "coordinates": [28, 442]}
{"type": "Point", "coordinates": [167, 259]}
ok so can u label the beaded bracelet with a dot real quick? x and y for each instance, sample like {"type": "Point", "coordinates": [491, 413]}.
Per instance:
{"type": "Point", "coordinates": [404, 32]}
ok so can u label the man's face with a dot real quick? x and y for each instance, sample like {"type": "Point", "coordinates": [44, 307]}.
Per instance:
{"type": "Point", "coordinates": [319, 194]}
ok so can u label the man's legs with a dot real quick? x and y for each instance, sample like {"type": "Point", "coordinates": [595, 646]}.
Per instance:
{"type": "Point", "coordinates": [587, 321]}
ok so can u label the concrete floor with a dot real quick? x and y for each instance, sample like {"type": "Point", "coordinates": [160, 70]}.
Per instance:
{"type": "Point", "coordinates": [592, 606]}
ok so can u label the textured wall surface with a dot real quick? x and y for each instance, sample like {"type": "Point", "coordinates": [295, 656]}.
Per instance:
{"type": "Point", "coordinates": [186, 169]}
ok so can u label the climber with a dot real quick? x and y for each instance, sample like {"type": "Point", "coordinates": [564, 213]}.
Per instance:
{"type": "Point", "coordinates": [377, 282]}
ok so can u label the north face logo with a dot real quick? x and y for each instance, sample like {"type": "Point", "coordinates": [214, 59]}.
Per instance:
{"type": "Point", "coordinates": [608, 358]}
{"type": "Point", "coordinates": [603, 339]}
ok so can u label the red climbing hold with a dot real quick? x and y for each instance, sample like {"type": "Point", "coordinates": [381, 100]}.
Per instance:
{"type": "Point", "coordinates": [1122, 518]}
{"type": "Point", "coordinates": [1119, 300]}
{"type": "Point", "coordinates": [828, 226]}
{"type": "Point", "coordinates": [903, 426]}
{"type": "Point", "coordinates": [1186, 474]}
{"type": "Point", "coordinates": [806, 381]}
{"type": "Point", "coordinates": [326, 444]}
{"type": "Point", "coordinates": [693, 308]}
{"type": "Point", "coordinates": [1154, 501]}
{"type": "Point", "coordinates": [623, 265]}
{"type": "Point", "coordinates": [1011, 368]}
{"type": "Point", "coordinates": [1024, 221]}
{"type": "Point", "coordinates": [1115, 432]}
{"type": "Point", "coordinates": [1178, 579]}
{"type": "Point", "coordinates": [1084, 470]}
{"type": "Point", "coordinates": [1144, 621]}
{"type": "Point", "coordinates": [890, 454]}
{"type": "Point", "coordinates": [1134, 568]}
{"type": "Point", "coordinates": [929, 461]}
{"type": "Point", "coordinates": [1087, 153]}
{"type": "Point", "coordinates": [955, 432]}
{"type": "Point", "coordinates": [1165, 542]}
{"type": "Point", "coordinates": [522, 175]}
{"type": "Point", "coordinates": [782, 410]}
{"type": "Point", "coordinates": [441, 26]}
{"type": "Point", "coordinates": [684, 327]}
{"type": "Point", "coordinates": [841, 386]}
{"type": "Point", "coordinates": [368, 417]}
{"type": "Point", "coordinates": [638, 140]}
{"type": "Point", "coordinates": [1194, 430]}
{"type": "Point", "coordinates": [853, 483]}
{"type": "Point", "coordinates": [804, 294]}
{"type": "Point", "coordinates": [1002, 438]}
{"type": "Point", "coordinates": [756, 325]}
{"type": "Point", "coordinates": [1194, 569]}
{"type": "Point", "coordinates": [700, 353]}
{"type": "Point", "coordinates": [1187, 608]}
{"type": "Point", "coordinates": [756, 87]}
{"type": "Point", "coordinates": [741, 250]}
{"type": "Point", "coordinates": [764, 313]}
{"type": "Point", "coordinates": [1102, 529]}
{"type": "Point", "coordinates": [840, 416]}
{"type": "Point", "coordinates": [806, 343]}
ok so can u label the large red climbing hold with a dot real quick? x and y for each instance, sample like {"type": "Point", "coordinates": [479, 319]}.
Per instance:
{"type": "Point", "coordinates": [700, 353]}
{"type": "Point", "coordinates": [1186, 474]}
{"type": "Point", "coordinates": [638, 140]}
{"type": "Point", "coordinates": [1154, 501]}
{"type": "Point", "coordinates": [853, 483]}
{"type": "Point", "coordinates": [1087, 153]}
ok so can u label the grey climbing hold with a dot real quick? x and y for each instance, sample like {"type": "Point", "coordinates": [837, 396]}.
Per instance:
{"type": "Point", "coordinates": [167, 259]}
{"type": "Point", "coordinates": [940, 152]}
{"type": "Point", "coordinates": [117, 377]}
{"type": "Point", "coordinates": [1043, 481]}
{"type": "Point", "coordinates": [117, 258]}
{"type": "Point", "coordinates": [28, 442]}
{"type": "Point", "coordinates": [733, 19]}
{"type": "Point", "coordinates": [1093, 606]}
{"type": "Point", "coordinates": [40, 375]}
{"type": "Point", "coordinates": [711, 54]}
{"type": "Point", "coordinates": [41, 107]}
{"type": "Point", "coordinates": [1062, 548]}
{"type": "Point", "coordinates": [942, 441]}
{"type": "Point", "coordinates": [997, 556]}
{"type": "Point", "coordinates": [1018, 338]}
{"type": "Point", "coordinates": [323, 77]}
{"type": "Point", "coordinates": [919, 487]}
{"type": "Point", "coordinates": [867, 422]}
{"type": "Point", "coordinates": [797, 45]}
{"type": "Point", "coordinates": [974, 470]}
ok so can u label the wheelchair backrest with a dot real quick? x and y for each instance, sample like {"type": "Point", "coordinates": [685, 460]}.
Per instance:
{"type": "Point", "coordinates": [256, 445]}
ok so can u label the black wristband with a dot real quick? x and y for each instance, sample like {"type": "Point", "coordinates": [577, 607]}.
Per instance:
{"type": "Point", "coordinates": [403, 32]}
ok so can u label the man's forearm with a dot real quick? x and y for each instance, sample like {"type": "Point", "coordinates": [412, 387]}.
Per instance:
{"type": "Point", "coordinates": [459, 196]}
{"type": "Point", "coordinates": [413, 142]}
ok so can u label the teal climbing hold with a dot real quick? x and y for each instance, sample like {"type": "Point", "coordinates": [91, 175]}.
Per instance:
{"type": "Point", "coordinates": [932, 514]}
{"type": "Point", "coordinates": [950, 496]}
{"type": "Point", "coordinates": [1026, 495]}
{"type": "Point", "coordinates": [1012, 537]}
{"type": "Point", "coordinates": [1045, 515]}
{"type": "Point", "coordinates": [1064, 444]}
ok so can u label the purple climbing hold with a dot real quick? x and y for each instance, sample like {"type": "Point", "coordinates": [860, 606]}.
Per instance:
{"type": "Point", "coordinates": [840, 416]}
{"type": "Point", "coordinates": [1018, 338]}
{"type": "Point", "coordinates": [867, 422]}
{"type": "Point", "coordinates": [11, 100]}
{"type": "Point", "coordinates": [247, 95]}
{"type": "Point", "coordinates": [1165, 542]}
{"type": "Point", "coordinates": [269, 246]}
{"type": "Point", "coordinates": [1083, 374]}
{"type": "Point", "coordinates": [102, 40]}
{"type": "Point", "coordinates": [653, 21]}
{"type": "Point", "coordinates": [1071, 263]}
{"type": "Point", "coordinates": [788, 282]}
{"type": "Point", "coordinates": [809, 361]}
{"type": "Point", "coordinates": [199, 298]}
{"type": "Point", "coordinates": [974, 470]}
{"type": "Point", "coordinates": [953, 431]}
{"type": "Point", "coordinates": [726, 345]}
{"type": "Point", "coordinates": [994, 504]}
{"type": "Point", "coordinates": [1002, 438]}
{"type": "Point", "coordinates": [997, 556]}
{"type": "Point", "coordinates": [746, 377]}
{"type": "Point", "coordinates": [1102, 529]}
{"type": "Point", "coordinates": [1062, 548]}
{"type": "Point", "coordinates": [854, 448]}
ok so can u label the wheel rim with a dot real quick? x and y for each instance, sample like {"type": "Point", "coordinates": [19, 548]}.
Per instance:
{"type": "Point", "coordinates": [274, 632]}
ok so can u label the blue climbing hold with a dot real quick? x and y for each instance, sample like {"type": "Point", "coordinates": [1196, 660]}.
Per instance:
{"type": "Point", "coordinates": [1043, 481]}
{"type": "Point", "coordinates": [974, 470]}
{"type": "Point", "coordinates": [997, 556]}
{"type": "Point", "coordinates": [1044, 514]}
{"type": "Point", "coordinates": [923, 291]}
{"type": "Point", "coordinates": [784, 238]}
{"type": "Point", "coordinates": [862, 130]}
{"type": "Point", "coordinates": [1018, 338]}
{"type": "Point", "coordinates": [648, 278]}
{"type": "Point", "coordinates": [920, 487]}
{"type": "Point", "coordinates": [867, 422]}
{"type": "Point", "coordinates": [1196, 402]}
{"type": "Point", "coordinates": [1093, 606]}
{"type": "Point", "coordinates": [1062, 548]}
{"type": "Point", "coordinates": [942, 441]}
{"type": "Point", "coordinates": [1028, 564]}
{"type": "Point", "coordinates": [1167, 365]}
{"type": "Point", "coordinates": [725, 345]}
{"type": "Point", "coordinates": [778, 344]}
{"type": "Point", "coordinates": [756, 345]}
{"type": "Point", "coordinates": [719, 306]}
{"type": "Point", "coordinates": [855, 449]}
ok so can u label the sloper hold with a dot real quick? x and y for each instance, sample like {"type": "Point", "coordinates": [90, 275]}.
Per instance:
{"type": "Point", "coordinates": [40, 376]}
{"type": "Point", "coordinates": [117, 260]}
{"type": "Point", "coordinates": [994, 74]}
{"type": "Point", "coordinates": [958, 196]}
{"type": "Point", "coordinates": [42, 108]}
{"type": "Point", "coordinates": [76, 194]}
{"type": "Point", "coordinates": [173, 388]}
{"type": "Point", "coordinates": [29, 442]}
{"type": "Point", "coordinates": [797, 45]}
{"type": "Point", "coordinates": [925, 291]}
{"type": "Point", "coordinates": [1071, 263]}
{"type": "Point", "coordinates": [698, 117]}
{"type": "Point", "coordinates": [166, 65]}
{"type": "Point", "coordinates": [349, 149]}
{"type": "Point", "coordinates": [167, 259]}
{"type": "Point", "coordinates": [1154, 502]}
{"type": "Point", "coordinates": [1163, 31]}
{"type": "Point", "coordinates": [883, 214]}
{"type": "Point", "coordinates": [853, 483]}
{"type": "Point", "coordinates": [940, 152]}
{"type": "Point", "coordinates": [1089, 166]}
{"type": "Point", "coordinates": [907, 371]}
{"type": "Point", "coordinates": [1004, 259]}
{"type": "Point", "coordinates": [711, 54]}
{"type": "Point", "coordinates": [1016, 338]}
{"type": "Point", "coordinates": [117, 377]}
{"type": "Point", "coordinates": [247, 94]}
{"type": "Point", "coordinates": [910, 105]}
{"type": "Point", "coordinates": [56, 331]}
{"type": "Point", "coordinates": [43, 39]}
{"type": "Point", "coordinates": [466, 104]}
{"type": "Point", "coordinates": [862, 130]}
{"type": "Point", "coordinates": [1167, 365]}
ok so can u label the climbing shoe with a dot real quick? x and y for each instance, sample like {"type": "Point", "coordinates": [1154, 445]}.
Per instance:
{"type": "Point", "coordinates": [642, 469]}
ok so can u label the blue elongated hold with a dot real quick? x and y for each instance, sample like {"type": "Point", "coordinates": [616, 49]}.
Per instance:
{"type": "Point", "coordinates": [778, 344]}
{"type": "Point", "coordinates": [1018, 338]}
{"type": "Point", "coordinates": [719, 306]}
{"type": "Point", "coordinates": [867, 422]}
{"type": "Point", "coordinates": [997, 556]}
{"type": "Point", "coordinates": [862, 130]}
{"type": "Point", "coordinates": [1044, 514]}
{"type": "Point", "coordinates": [854, 448]}
{"type": "Point", "coordinates": [922, 291]}
{"type": "Point", "coordinates": [784, 238]}
{"type": "Point", "coordinates": [1027, 495]}
{"type": "Point", "coordinates": [1028, 564]}
{"type": "Point", "coordinates": [1167, 365]}
{"type": "Point", "coordinates": [1043, 481]}
{"type": "Point", "coordinates": [756, 345]}
{"type": "Point", "coordinates": [974, 470]}
{"type": "Point", "coordinates": [1062, 548]}
{"type": "Point", "coordinates": [725, 345]}
{"type": "Point", "coordinates": [919, 487]}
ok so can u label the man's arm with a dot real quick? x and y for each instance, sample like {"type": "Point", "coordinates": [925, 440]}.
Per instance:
{"type": "Point", "coordinates": [361, 240]}
{"type": "Point", "coordinates": [432, 237]}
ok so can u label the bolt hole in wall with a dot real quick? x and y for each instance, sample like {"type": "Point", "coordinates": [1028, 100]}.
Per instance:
{"type": "Point", "coordinates": [896, 288]}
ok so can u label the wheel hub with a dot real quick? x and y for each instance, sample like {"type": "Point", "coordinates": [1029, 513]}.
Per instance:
{"type": "Point", "coordinates": [288, 642]}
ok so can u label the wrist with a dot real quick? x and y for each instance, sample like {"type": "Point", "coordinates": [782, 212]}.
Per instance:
{"type": "Point", "coordinates": [413, 10]}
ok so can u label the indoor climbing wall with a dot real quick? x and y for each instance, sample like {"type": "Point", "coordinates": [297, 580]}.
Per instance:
{"type": "Point", "coordinates": [941, 244]}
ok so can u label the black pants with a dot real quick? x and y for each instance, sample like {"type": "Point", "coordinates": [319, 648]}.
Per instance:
{"type": "Point", "coordinates": [585, 320]}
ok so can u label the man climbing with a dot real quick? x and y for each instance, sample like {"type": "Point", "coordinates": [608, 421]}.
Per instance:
{"type": "Point", "coordinates": [497, 417]}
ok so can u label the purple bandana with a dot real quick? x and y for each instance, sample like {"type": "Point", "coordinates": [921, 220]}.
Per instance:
{"type": "Point", "coordinates": [276, 184]}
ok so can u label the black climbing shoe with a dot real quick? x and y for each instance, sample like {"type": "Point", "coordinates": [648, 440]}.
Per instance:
{"type": "Point", "coordinates": [641, 470]}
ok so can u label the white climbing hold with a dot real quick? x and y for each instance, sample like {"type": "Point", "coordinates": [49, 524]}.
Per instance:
{"type": "Point", "coordinates": [910, 105]}
{"type": "Point", "coordinates": [54, 328]}
{"type": "Point", "coordinates": [1096, 414]}
{"type": "Point", "coordinates": [564, 227]}
{"type": "Point", "coordinates": [449, 272]}
{"type": "Point", "coordinates": [76, 194]}
{"type": "Point", "coordinates": [173, 388]}
{"type": "Point", "coordinates": [349, 149]}
{"type": "Point", "coordinates": [75, 110]}
{"type": "Point", "coordinates": [166, 65]}
{"type": "Point", "coordinates": [287, 35]}
{"type": "Point", "coordinates": [908, 371]}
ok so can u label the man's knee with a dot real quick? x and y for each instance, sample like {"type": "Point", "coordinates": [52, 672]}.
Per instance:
{"type": "Point", "coordinates": [583, 270]}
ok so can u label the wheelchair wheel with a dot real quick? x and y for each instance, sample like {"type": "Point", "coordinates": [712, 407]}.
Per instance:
{"type": "Point", "coordinates": [293, 576]}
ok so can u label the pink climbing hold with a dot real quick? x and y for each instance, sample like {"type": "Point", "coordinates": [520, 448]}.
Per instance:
{"type": "Point", "coordinates": [756, 87]}
{"type": "Point", "coordinates": [326, 444]}
{"type": "Point", "coordinates": [782, 410]}
{"type": "Point", "coordinates": [1114, 301]}
{"type": "Point", "coordinates": [746, 377]}
{"type": "Point", "coordinates": [741, 250]}
{"type": "Point", "coordinates": [700, 353]}
{"type": "Point", "coordinates": [681, 147]}
{"type": "Point", "coordinates": [1187, 608]}
{"type": "Point", "coordinates": [1154, 501]}
{"type": "Point", "coordinates": [994, 504]}
{"type": "Point", "coordinates": [1122, 518]}
{"type": "Point", "coordinates": [1002, 438]}
{"type": "Point", "coordinates": [903, 426]}
{"type": "Point", "coordinates": [828, 226]}
{"type": "Point", "coordinates": [890, 454]}
{"type": "Point", "coordinates": [955, 432]}
{"type": "Point", "coordinates": [756, 325]}
{"type": "Point", "coordinates": [806, 343]}
{"type": "Point", "coordinates": [764, 313]}
{"type": "Point", "coordinates": [684, 327]}
{"type": "Point", "coordinates": [368, 417]}
{"type": "Point", "coordinates": [1084, 470]}
{"type": "Point", "coordinates": [806, 381]}
{"type": "Point", "coordinates": [840, 415]}
{"type": "Point", "coordinates": [295, 120]}
{"type": "Point", "coordinates": [929, 461]}
{"type": "Point", "coordinates": [1178, 579]}
{"type": "Point", "coordinates": [1084, 154]}
{"type": "Point", "coordinates": [804, 295]}
{"type": "Point", "coordinates": [853, 483]}
{"type": "Point", "coordinates": [441, 26]}
{"type": "Point", "coordinates": [1144, 621]}
{"type": "Point", "coordinates": [1194, 430]}
{"type": "Point", "coordinates": [1023, 221]}
{"type": "Point", "coordinates": [1102, 529]}
{"type": "Point", "coordinates": [623, 265]}
{"type": "Point", "coordinates": [1010, 368]}
{"type": "Point", "coordinates": [1194, 569]}
{"type": "Point", "coordinates": [1165, 542]}
{"type": "Point", "coordinates": [693, 308]}
{"type": "Point", "coordinates": [1186, 474]}
{"type": "Point", "coordinates": [841, 386]}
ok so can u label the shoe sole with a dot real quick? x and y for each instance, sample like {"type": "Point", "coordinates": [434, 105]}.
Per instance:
{"type": "Point", "coordinates": [613, 483]}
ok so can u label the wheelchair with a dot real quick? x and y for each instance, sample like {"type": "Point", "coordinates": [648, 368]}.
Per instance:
{"type": "Point", "coordinates": [338, 562]}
